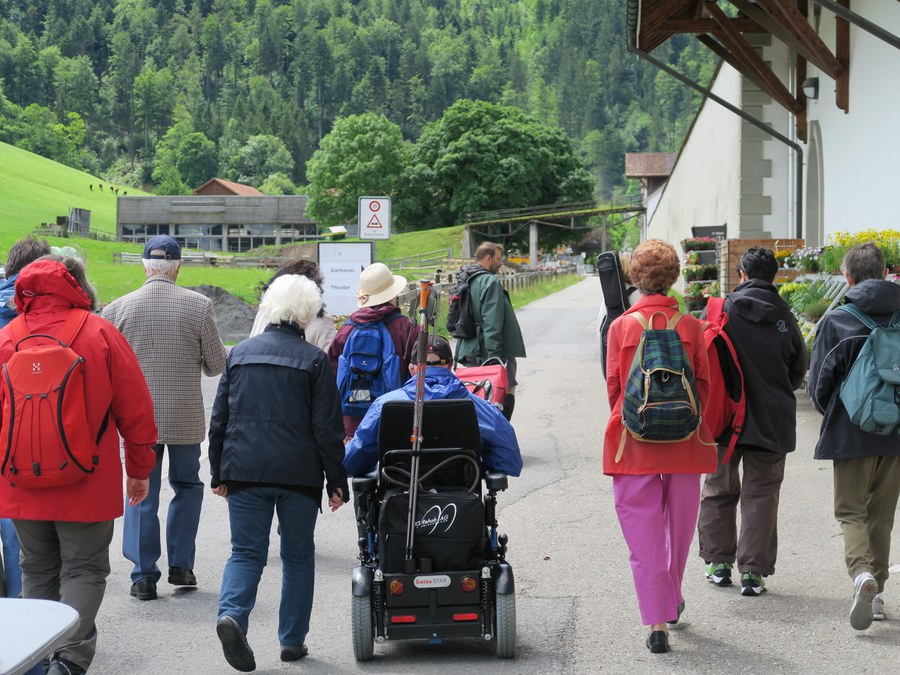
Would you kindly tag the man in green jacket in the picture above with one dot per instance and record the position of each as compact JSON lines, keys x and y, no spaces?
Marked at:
{"x":498,"y":333}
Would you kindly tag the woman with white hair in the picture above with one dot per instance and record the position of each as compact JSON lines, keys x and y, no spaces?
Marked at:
{"x":275,"y":438}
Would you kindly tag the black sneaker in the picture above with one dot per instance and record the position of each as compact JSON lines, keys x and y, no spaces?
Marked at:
{"x":234,"y":645}
{"x":719,"y":573}
{"x":753,"y":584}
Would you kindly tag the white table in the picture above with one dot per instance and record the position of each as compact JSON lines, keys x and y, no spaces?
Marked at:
{"x":29,"y":629}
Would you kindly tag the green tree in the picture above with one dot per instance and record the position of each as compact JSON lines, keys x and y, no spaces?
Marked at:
{"x":261,"y":156}
{"x":196,"y":159}
{"x":480,"y":156}
{"x":363,"y":155}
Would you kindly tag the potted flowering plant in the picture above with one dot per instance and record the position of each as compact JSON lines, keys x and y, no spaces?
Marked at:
{"x":699,"y":272}
{"x":698,"y":244}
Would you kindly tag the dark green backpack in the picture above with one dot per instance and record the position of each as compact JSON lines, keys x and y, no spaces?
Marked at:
{"x":661,"y":403}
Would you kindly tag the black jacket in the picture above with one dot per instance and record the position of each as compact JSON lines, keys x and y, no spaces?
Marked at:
{"x":277,"y":415}
{"x":772,"y":355}
{"x":839,"y":339}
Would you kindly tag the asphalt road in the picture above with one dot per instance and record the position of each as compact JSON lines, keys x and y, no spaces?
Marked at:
{"x":576,"y":607}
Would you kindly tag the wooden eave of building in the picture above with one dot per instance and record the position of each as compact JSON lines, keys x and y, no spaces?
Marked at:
{"x":785,"y":20}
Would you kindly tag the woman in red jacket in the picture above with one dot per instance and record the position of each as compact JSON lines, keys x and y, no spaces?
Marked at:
{"x":656,"y":486}
{"x":65,"y":531}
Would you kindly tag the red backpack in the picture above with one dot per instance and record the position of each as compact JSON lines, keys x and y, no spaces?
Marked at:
{"x":725,"y":410}
{"x":44,"y":416}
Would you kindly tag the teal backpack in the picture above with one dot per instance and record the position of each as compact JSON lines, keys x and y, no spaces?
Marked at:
{"x":871,"y":390}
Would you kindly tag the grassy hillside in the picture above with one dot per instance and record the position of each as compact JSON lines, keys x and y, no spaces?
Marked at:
{"x":34,"y":190}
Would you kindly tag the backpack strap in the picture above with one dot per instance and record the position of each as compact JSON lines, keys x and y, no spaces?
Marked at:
{"x":715,"y":309}
{"x":647,"y":324}
{"x":72,"y":326}
{"x":866,"y":320}
{"x":18,"y":328}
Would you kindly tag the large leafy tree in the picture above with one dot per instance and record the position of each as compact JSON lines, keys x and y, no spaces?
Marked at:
{"x":362,"y":155}
{"x":480,"y":156}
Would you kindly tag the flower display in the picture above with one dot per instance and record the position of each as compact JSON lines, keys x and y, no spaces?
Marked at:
{"x":698,"y":244}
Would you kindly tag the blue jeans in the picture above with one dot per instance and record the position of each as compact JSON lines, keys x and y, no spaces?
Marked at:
{"x":250,"y":514}
{"x":12,"y":574}
{"x":140,"y":536}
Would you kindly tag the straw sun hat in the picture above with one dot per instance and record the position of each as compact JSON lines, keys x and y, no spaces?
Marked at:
{"x":378,"y":285}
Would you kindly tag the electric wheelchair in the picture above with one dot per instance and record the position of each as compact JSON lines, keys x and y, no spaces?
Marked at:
{"x":453,"y":581}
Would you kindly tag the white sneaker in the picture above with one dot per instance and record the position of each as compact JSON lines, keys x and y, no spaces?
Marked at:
{"x":878,"y":607}
{"x":864,"y":591}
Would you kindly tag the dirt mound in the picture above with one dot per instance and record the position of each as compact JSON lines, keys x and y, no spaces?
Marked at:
{"x":234,"y":317}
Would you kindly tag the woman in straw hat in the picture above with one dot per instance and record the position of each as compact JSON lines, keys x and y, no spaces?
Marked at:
{"x":376,"y":296}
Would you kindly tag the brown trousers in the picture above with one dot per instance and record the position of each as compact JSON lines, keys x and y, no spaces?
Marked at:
{"x":758,"y":493}
{"x":865,"y":500}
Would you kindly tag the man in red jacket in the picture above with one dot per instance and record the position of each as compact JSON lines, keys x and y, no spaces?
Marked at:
{"x":65,"y":532}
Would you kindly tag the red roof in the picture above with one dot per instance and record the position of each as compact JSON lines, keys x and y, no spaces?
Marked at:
{"x":649,"y":164}
{"x":219,"y":186}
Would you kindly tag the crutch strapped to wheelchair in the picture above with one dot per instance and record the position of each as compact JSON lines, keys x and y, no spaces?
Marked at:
{"x":431,"y":563}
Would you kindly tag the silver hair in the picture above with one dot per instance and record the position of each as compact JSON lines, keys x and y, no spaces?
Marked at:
{"x":159,"y":266}
{"x":293,"y":298}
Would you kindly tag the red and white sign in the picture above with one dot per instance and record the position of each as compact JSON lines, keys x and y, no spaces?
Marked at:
{"x":374,"y":217}
{"x":432,"y":581}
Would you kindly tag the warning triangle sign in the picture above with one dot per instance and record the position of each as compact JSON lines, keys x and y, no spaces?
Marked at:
{"x":374,"y":223}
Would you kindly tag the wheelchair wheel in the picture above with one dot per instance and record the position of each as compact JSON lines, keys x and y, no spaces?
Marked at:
{"x":363,"y":629}
{"x":506,"y":625}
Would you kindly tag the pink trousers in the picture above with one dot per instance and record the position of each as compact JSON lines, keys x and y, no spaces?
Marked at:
{"x":658,"y":515}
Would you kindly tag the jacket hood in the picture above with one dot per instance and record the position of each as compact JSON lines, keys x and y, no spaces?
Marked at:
{"x":440,"y":383}
{"x":47,"y":283}
{"x":757,"y":301}
{"x":373,"y":314}
{"x":875,"y":296}
{"x":7,"y":293}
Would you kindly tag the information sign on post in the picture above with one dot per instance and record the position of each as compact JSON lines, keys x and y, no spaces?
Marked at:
{"x":374,"y":216}
{"x":341,"y":265}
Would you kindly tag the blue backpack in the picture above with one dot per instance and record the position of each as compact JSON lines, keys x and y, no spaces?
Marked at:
{"x":368,"y":367}
{"x":871,"y":390}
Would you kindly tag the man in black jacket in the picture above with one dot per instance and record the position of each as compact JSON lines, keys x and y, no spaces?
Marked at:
{"x":772,"y":355}
{"x":866,"y":466}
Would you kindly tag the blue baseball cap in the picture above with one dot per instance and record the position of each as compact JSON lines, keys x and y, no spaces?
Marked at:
{"x":162,"y":247}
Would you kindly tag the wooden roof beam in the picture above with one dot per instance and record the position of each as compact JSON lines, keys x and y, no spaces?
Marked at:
{"x":733,"y":60}
{"x":734,"y":41}
{"x":751,"y":10}
{"x":707,"y":26}
{"x":788,"y":16}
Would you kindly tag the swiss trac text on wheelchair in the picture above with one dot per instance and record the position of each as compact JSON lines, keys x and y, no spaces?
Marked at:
{"x":432,"y":565}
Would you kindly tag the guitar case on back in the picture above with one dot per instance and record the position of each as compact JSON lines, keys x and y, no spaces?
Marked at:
{"x":615,"y":294}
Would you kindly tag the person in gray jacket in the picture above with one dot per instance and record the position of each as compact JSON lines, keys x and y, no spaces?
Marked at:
{"x":866,"y":466}
{"x":173,"y":332}
{"x":772,"y":355}
{"x":275,"y":437}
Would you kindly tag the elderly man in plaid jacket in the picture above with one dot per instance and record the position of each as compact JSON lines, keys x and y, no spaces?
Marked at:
{"x":173,"y":332}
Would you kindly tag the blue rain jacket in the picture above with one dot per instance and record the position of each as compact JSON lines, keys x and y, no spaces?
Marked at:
{"x":499,"y":447}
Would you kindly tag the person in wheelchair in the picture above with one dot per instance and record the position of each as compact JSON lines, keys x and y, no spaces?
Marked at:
{"x":499,"y":446}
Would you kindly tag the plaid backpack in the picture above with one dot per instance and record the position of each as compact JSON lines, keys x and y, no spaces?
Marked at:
{"x":661,"y":403}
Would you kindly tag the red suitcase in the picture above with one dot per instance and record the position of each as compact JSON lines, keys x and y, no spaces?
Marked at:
{"x":488,"y":381}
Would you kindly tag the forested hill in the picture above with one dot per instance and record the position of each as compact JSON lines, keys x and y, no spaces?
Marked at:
{"x":97,"y":84}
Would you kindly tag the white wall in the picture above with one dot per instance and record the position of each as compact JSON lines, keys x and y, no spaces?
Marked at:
{"x":704,"y":187}
{"x":781,"y":185}
{"x":860,"y":150}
